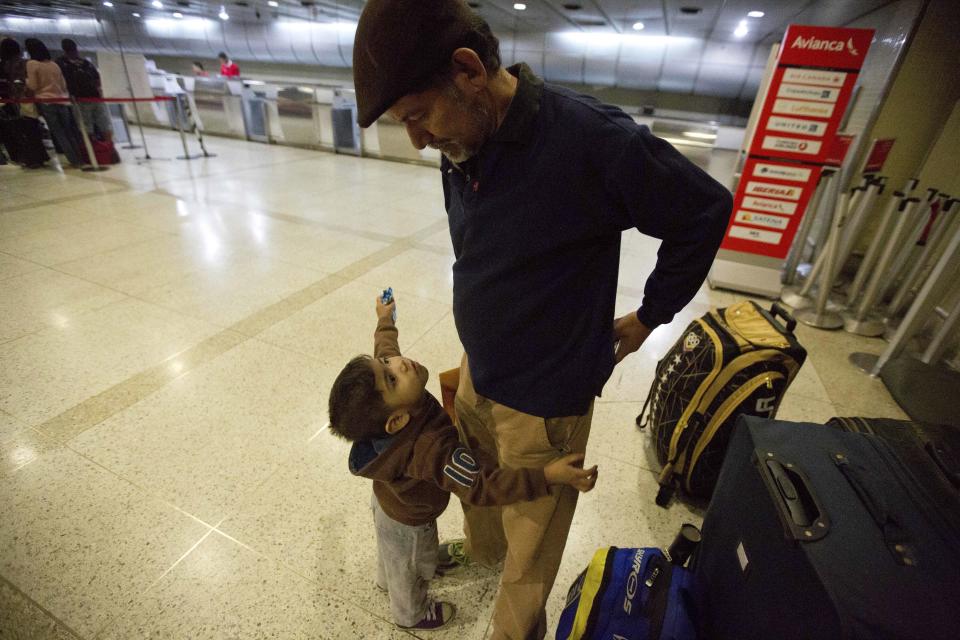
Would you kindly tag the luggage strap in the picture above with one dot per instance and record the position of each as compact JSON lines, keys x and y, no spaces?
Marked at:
{"x":668,"y":475}
{"x":895,"y":537}
{"x":658,"y":579}
{"x":643,"y":418}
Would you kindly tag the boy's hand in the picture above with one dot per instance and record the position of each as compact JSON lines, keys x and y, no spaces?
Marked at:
{"x":569,"y":470}
{"x":385,"y":311}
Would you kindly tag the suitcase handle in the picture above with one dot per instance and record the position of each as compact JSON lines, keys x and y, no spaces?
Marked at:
{"x":778,"y":310}
{"x":894,"y":535}
{"x":790,"y":491}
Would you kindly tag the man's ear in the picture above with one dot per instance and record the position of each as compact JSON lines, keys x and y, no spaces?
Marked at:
{"x":469,"y":74}
{"x":397,"y":420}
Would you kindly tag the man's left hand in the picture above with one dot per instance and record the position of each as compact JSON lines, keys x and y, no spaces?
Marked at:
{"x":629,"y":334}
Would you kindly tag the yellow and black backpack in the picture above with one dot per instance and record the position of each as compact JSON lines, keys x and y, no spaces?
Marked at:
{"x":732,"y":361}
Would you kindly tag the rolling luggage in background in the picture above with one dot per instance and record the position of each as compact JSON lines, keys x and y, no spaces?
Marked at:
{"x":930,"y":449}
{"x":629,"y":594}
{"x":732,"y":361}
{"x":814,"y":532}
{"x":105,"y":152}
{"x":23,"y":138}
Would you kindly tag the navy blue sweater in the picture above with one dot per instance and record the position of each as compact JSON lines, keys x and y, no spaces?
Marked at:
{"x":536,"y":218}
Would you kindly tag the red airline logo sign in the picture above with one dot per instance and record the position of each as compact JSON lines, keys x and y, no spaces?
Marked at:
{"x":816,"y":70}
{"x":826,"y":47}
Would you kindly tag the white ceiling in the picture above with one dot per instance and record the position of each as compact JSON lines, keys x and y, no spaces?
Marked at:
{"x":561,"y":39}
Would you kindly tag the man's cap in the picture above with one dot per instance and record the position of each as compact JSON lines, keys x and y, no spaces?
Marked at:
{"x":400,"y":45}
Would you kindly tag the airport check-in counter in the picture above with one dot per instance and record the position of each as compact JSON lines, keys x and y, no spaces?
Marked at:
{"x":219,"y":105}
{"x":315,"y":116}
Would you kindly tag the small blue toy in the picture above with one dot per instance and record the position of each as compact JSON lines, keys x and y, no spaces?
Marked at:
{"x":386,"y":298}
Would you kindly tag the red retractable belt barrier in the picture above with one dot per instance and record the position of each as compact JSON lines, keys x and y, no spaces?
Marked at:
{"x":82,"y":100}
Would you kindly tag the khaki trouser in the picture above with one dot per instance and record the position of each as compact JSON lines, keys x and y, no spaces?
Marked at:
{"x":528,"y":536}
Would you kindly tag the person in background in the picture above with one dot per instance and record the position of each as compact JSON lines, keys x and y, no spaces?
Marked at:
{"x":199,"y":71}
{"x":228,"y":68}
{"x":13,"y":74}
{"x":45,"y":81}
{"x":83,"y":81}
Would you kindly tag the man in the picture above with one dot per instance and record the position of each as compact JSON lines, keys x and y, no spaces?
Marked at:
{"x":539,"y":182}
{"x":83,"y":81}
{"x":228,"y":68}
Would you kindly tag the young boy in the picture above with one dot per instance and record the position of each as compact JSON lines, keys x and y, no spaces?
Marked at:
{"x":405,"y":442}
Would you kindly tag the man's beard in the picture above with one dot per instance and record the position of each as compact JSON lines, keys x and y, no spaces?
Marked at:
{"x":478,"y":116}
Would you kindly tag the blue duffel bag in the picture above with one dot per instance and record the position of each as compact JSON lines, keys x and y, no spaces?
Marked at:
{"x":629,"y":594}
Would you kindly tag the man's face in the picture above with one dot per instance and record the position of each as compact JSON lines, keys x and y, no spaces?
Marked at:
{"x":401,"y":381}
{"x":446,"y":119}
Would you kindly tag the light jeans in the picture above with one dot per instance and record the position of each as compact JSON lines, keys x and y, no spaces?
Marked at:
{"x":96,"y":119}
{"x":406,"y":562}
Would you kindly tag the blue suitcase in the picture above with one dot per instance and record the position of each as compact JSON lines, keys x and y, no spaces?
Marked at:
{"x":817,"y":532}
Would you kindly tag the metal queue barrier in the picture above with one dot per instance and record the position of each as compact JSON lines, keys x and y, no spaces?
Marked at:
{"x":799,"y":247}
{"x":92,"y":164}
{"x":923,"y":388}
{"x":905,"y":287}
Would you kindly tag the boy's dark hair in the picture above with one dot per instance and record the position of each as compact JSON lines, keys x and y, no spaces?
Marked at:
{"x":357,"y":410}
{"x":37,"y":50}
{"x":68,"y":45}
{"x":223,"y":55}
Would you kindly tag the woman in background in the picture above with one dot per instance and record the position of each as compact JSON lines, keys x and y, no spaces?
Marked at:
{"x":45,"y":80}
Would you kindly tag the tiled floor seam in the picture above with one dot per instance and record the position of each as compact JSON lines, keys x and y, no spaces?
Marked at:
{"x":294,"y":219}
{"x":113,"y":620}
{"x":94,"y":410}
{"x":63,"y":200}
{"x":33,"y":603}
{"x":280,"y":563}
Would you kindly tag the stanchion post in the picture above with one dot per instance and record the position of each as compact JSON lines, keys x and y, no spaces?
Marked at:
{"x":183,"y":137}
{"x":939,"y":230}
{"x":800,"y":298}
{"x":136,"y":110}
{"x":920,"y":219}
{"x":922,"y":306}
{"x":938,"y":345}
{"x":857,"y":321}
{"x":800,"y":241}
{"x":861,"y":208}
{"x":876,"y":246}
{"x":195,"y":130}
{"x":93,"y":165}
{"x":819,"y":317}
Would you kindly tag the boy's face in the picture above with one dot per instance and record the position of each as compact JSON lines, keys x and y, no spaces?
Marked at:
{"x":401,"y":381}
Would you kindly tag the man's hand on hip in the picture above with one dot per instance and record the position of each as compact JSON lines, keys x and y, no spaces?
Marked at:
{"x":629,"y":334}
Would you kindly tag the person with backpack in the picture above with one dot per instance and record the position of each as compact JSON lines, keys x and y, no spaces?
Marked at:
{"x":83,"y":81}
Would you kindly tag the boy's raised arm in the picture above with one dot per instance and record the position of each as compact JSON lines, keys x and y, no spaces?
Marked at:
{"x":385,"y":338}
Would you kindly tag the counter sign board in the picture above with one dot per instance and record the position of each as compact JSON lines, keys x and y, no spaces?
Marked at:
{"x":795,"y":136}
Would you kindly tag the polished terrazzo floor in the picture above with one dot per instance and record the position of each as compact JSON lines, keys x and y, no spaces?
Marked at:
{"x":168,"y":334}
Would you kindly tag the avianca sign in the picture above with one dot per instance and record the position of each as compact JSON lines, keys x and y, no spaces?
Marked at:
{"x":825,"y":47}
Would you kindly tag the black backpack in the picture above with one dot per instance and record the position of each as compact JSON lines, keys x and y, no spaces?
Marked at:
{"x":83,"y":79}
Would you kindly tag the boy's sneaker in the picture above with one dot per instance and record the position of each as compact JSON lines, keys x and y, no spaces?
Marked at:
{"x":438,"y":614}
{"x":452,"y":556}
